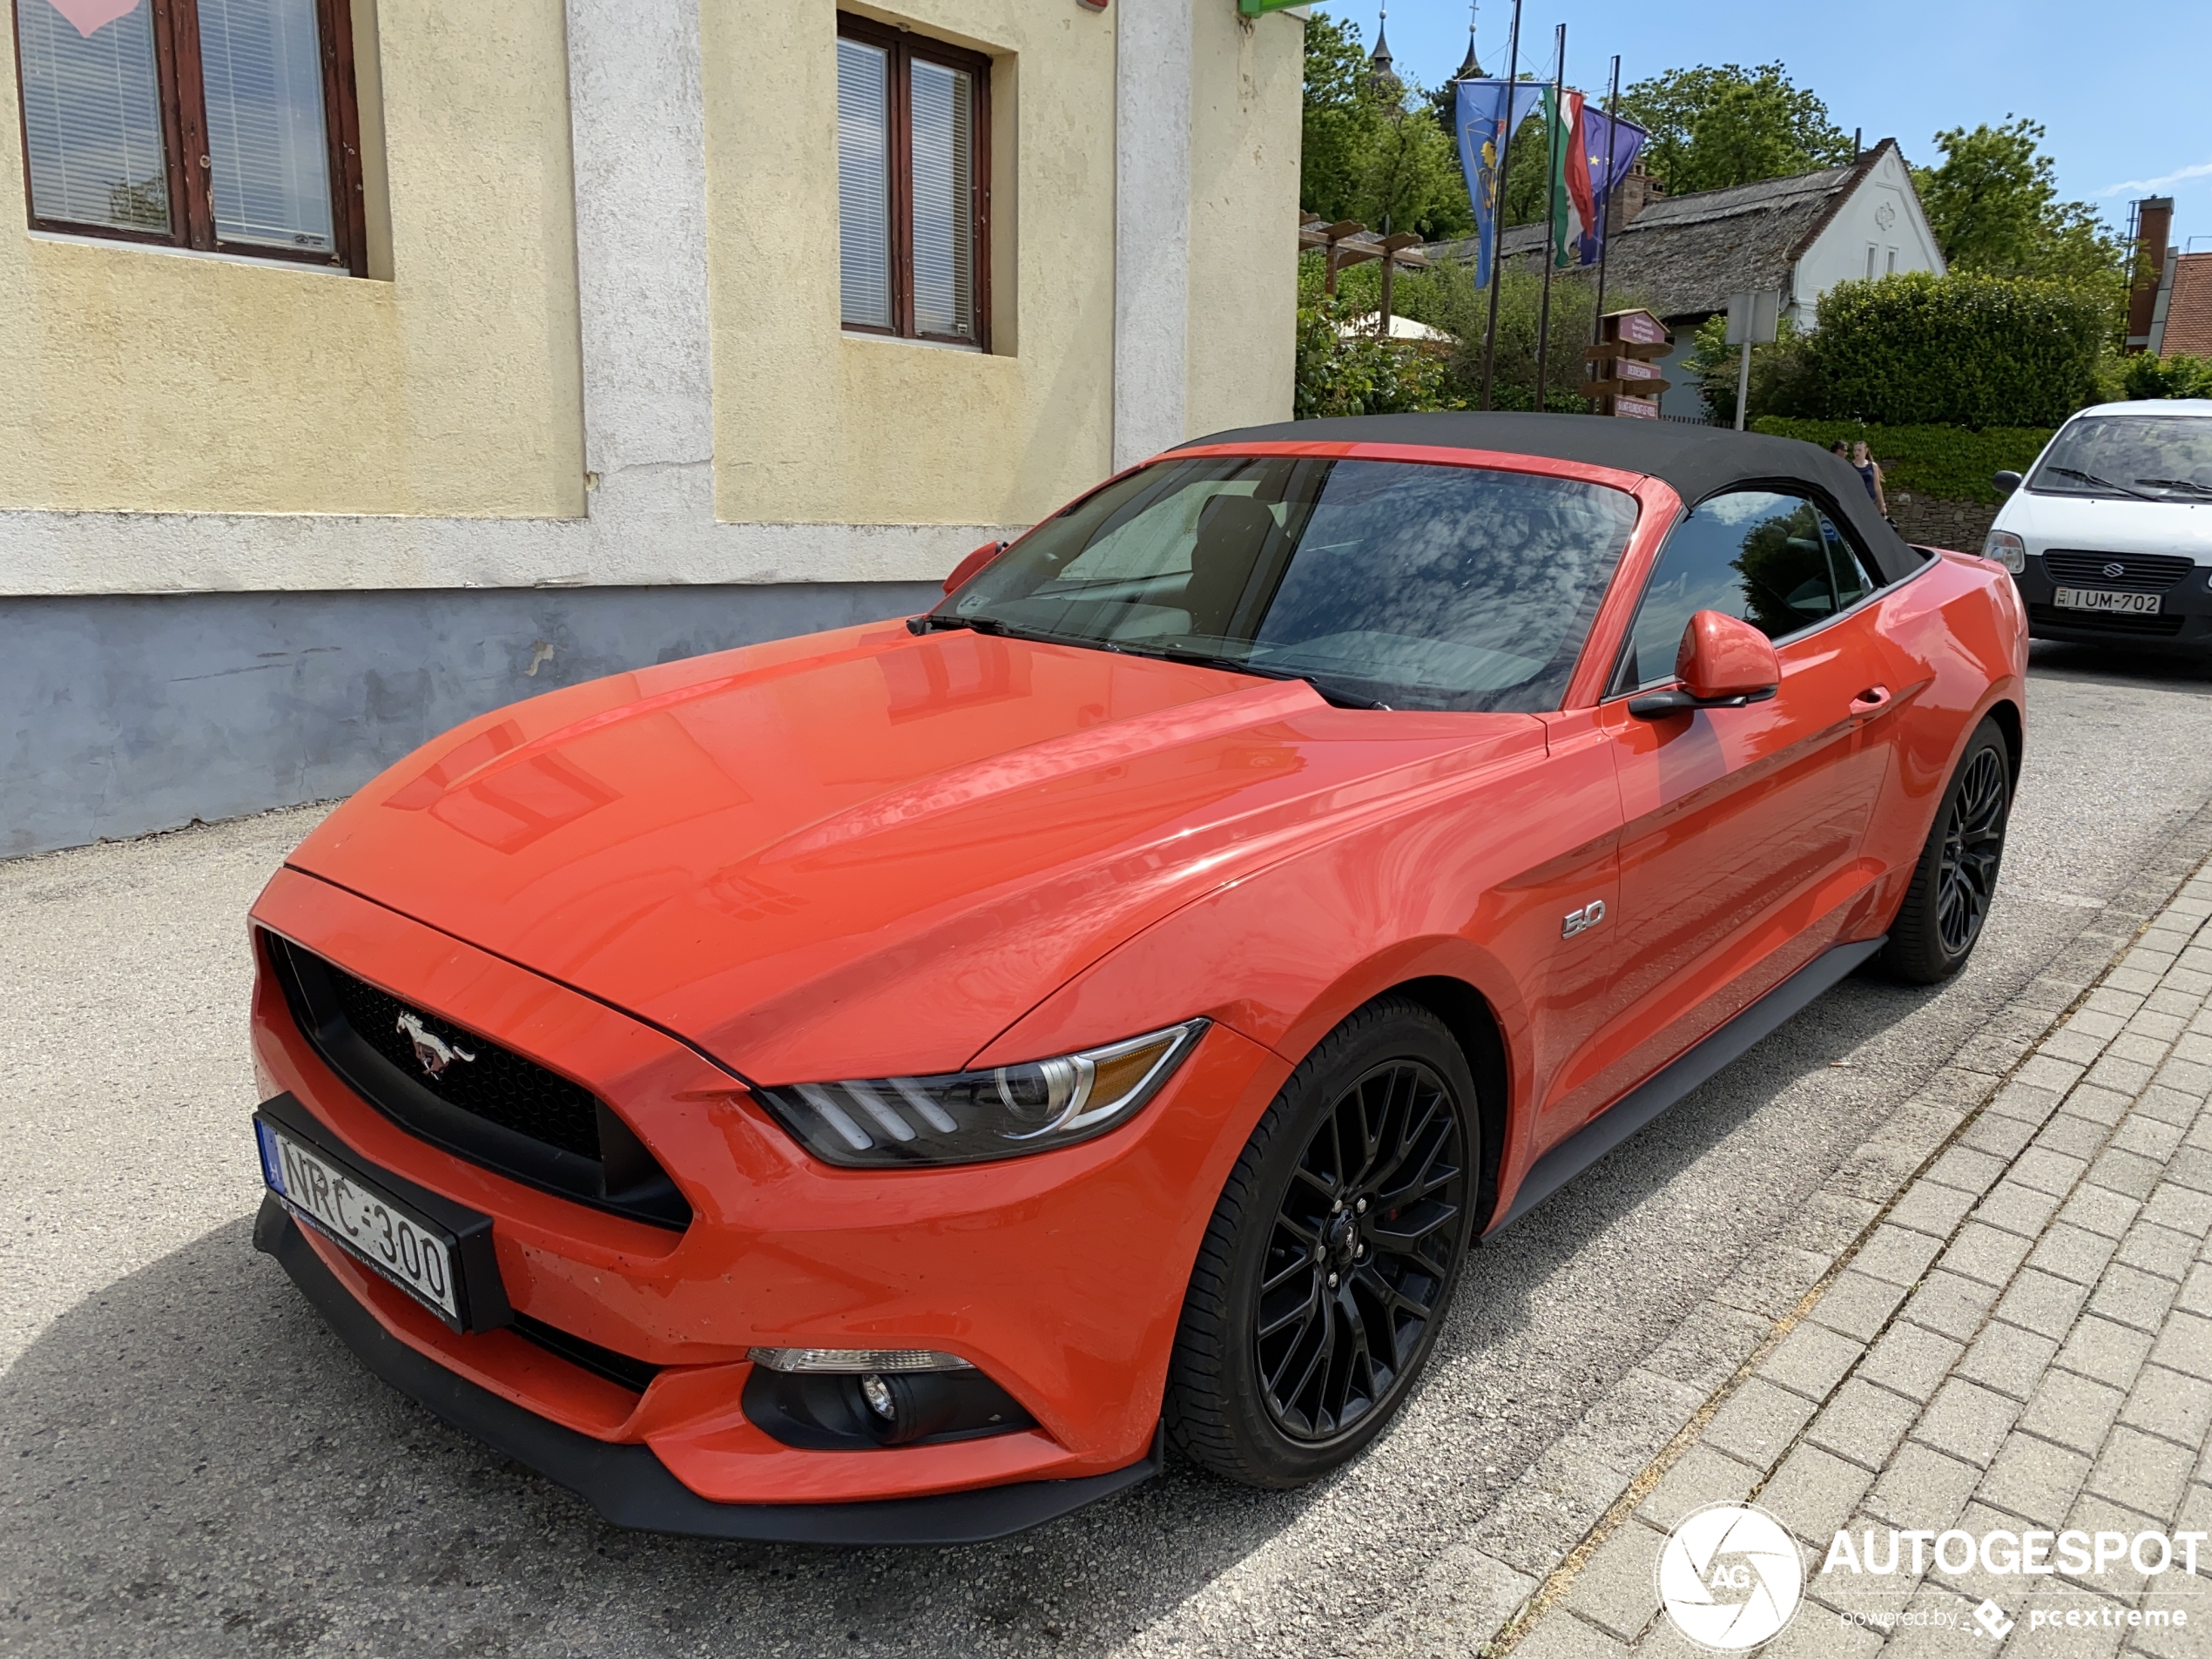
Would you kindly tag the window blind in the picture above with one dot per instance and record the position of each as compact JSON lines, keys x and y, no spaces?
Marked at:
{"x":92,"y":114}
{"x":864,"y":181}
{"x":262,"y":62}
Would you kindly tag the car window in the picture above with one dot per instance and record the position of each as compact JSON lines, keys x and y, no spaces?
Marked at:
{"x":1414,"y":585}
{"x":1853,"y":572}
{"x":2160,"y":457}
{"x":1774,"y":560}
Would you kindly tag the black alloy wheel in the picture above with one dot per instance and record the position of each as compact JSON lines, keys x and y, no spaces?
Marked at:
{"x":1974,"y":842}
{"x":1325,"y":1274}
{"x":1955,"y":882}
{"x":1363,"y":1246}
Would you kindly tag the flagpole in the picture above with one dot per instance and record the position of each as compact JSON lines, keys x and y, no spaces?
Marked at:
{"x":1605,"y":202}
{"x":1551,"y":210}
{"x":1498,"y":205}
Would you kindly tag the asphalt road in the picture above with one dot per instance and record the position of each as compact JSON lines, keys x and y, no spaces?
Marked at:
{"x":190,"y":1464}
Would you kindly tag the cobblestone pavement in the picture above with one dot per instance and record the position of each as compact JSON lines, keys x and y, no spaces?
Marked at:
{"x":2020,"y":1340}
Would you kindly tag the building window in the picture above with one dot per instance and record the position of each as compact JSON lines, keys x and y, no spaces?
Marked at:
{"x":912,"y":185}
{"x":1892,"y":269}
{"x":221,"y":125}
{"x":1872,"y":253}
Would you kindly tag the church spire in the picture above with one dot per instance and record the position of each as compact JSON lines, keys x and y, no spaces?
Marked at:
{"x":1380,"y":74}
{"x":1472,"y":69}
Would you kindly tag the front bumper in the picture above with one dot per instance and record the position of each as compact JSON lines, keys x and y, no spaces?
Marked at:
{"x":1061,"y":1277}
{"x":633,"y":1487}
{"x":2184,"y":619}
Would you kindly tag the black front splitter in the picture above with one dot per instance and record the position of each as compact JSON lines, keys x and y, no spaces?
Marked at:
{"x":633,"y":1487}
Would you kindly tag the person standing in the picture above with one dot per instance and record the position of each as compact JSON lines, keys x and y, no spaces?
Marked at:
{"x":1871,"y":470}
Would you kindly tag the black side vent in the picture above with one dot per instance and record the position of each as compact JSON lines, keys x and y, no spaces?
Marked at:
{"x":464,"y":1092}
{"x":620,"y":1369}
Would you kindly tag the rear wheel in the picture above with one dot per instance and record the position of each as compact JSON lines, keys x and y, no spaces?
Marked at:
{"x":1331,"y":1258}
{"x":1956,"y":879}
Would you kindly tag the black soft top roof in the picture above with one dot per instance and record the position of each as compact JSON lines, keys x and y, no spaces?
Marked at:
{"x":1696,"y":460}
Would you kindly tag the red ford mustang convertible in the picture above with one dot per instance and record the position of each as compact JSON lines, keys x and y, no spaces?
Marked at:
{"x":887,"y":1086}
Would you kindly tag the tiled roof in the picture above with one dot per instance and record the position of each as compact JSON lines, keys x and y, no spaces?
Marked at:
{"x":2189,"y":307}
{"x":1684,"y":255}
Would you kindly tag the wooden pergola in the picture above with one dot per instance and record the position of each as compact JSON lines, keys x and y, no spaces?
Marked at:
{"x":1348,"y":242}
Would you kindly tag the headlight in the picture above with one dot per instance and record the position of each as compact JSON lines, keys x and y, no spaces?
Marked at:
{"x":2007,"y":550}
{"x":974,"y":1116}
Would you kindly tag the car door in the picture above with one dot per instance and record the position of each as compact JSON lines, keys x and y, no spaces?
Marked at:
{"x":1742,"y":827}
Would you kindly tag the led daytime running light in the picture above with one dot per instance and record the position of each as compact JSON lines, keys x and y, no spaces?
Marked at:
{"x":853,"y":1361}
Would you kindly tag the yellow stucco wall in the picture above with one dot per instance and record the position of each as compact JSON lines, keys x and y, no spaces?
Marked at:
{"x":1247,"y":85}
{"x":146,"y":381}
{"x":815,"y":426}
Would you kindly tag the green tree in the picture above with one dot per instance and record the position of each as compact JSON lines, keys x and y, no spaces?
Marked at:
{"x":1993,"y":205}
{"x":1712,"y":128}
{"x":1387,"y":162}
{"x":1339,"y":121}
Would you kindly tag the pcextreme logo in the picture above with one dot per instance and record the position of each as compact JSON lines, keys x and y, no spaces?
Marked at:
{"x":1730,"y":1576}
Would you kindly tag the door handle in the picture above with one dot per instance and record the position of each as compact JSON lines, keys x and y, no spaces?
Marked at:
{"x":1870,"y":702}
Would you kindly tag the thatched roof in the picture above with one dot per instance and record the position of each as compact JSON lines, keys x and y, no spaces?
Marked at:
{"x":1684,"y":255}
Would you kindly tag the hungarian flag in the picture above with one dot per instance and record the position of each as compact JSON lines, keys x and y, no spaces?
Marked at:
{"x":1574,"y":212}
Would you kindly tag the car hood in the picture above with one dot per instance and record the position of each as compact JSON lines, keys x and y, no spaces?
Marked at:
{"x":2094,"y":524}
{"x":865,"y":852}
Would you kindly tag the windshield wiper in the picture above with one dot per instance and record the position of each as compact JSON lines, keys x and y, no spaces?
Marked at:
{"x":2177,"y":484}
{"x":1335,"y":695}
{"x":2101,"y":483}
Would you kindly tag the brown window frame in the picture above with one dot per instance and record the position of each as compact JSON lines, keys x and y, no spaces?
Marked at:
{"x":904,"y":47}
{"x":184,"y":134}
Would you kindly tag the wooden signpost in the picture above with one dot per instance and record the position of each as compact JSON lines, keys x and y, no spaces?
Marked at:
{"x":1624,"y":367}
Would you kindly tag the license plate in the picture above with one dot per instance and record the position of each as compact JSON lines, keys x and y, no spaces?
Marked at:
{"x":2126,"y":604}
{"x":372,"y":1225}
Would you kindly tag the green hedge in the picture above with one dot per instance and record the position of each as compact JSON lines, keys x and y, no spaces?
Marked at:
{"x":1947,"y":462}
{"x":1959,"y":350}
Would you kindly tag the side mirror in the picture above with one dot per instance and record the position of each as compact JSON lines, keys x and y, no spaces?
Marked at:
{"x":1724,"y":663}
{"x":974,"y":561}
{"x":2007,"y":482}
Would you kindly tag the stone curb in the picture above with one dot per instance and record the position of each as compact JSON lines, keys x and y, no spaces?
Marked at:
{"x":1490,"y":1591}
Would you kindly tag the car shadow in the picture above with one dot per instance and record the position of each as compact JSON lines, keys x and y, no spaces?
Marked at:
{"x":193,"y":1461}
{"x":2148,"y":662}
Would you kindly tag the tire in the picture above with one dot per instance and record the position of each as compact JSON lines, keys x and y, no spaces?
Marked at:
{"x":1278,"y":1405}
{"x":1947,"y":905}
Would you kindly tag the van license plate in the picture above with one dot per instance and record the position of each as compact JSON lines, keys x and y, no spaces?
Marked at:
{"x":2126,"y":604}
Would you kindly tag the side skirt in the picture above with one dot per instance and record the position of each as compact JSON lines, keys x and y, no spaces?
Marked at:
{"x":1649,"y":1100}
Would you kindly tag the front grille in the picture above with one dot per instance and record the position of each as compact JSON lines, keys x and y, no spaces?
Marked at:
{"x":2104,"y":622}
{"x":493,"y":1107}
{"x":2138,"y":572}
{"x":493,"y":1083}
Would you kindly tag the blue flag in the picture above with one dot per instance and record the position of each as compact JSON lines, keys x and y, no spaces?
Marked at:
{"x":1613,"y":145}
{"x":1482,"y":127}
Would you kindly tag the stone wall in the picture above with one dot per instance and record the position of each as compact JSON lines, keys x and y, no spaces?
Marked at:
{"x":1961,"y":525}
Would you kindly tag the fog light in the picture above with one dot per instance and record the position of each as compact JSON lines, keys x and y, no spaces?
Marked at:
{"x":877,"y":1393}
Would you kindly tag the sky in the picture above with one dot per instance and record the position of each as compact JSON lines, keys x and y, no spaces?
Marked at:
{"x":2116,"y":98}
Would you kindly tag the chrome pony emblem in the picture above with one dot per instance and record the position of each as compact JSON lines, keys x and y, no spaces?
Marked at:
{"x":432,"y":1052}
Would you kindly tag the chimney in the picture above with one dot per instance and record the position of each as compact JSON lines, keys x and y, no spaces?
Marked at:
{"x":2153,"y":222}
{"x":1631,"y":196}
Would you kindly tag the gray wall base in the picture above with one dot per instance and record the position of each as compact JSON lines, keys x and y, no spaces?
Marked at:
{"x":124,"y":714}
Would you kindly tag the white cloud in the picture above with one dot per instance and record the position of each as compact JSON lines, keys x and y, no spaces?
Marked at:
{"x":2201,"y":169}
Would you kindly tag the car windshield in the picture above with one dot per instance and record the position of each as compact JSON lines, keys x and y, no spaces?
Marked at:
{"x":1381,"y":582}
{"x":2157,"y":457}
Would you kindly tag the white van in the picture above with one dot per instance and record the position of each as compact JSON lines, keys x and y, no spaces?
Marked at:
{"x":2109,"y":537}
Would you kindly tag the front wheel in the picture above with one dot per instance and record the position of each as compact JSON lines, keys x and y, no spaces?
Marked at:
{"x":1331,"y":1254}
{"x":1956,"y":879}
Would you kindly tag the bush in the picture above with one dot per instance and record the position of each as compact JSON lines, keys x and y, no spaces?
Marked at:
{"x":1947,"y":462}
{"x":1785,"y":375}
{"x":1361,"y":374}
{"x":1960,"y":350}
{"x":2179,"y":375}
